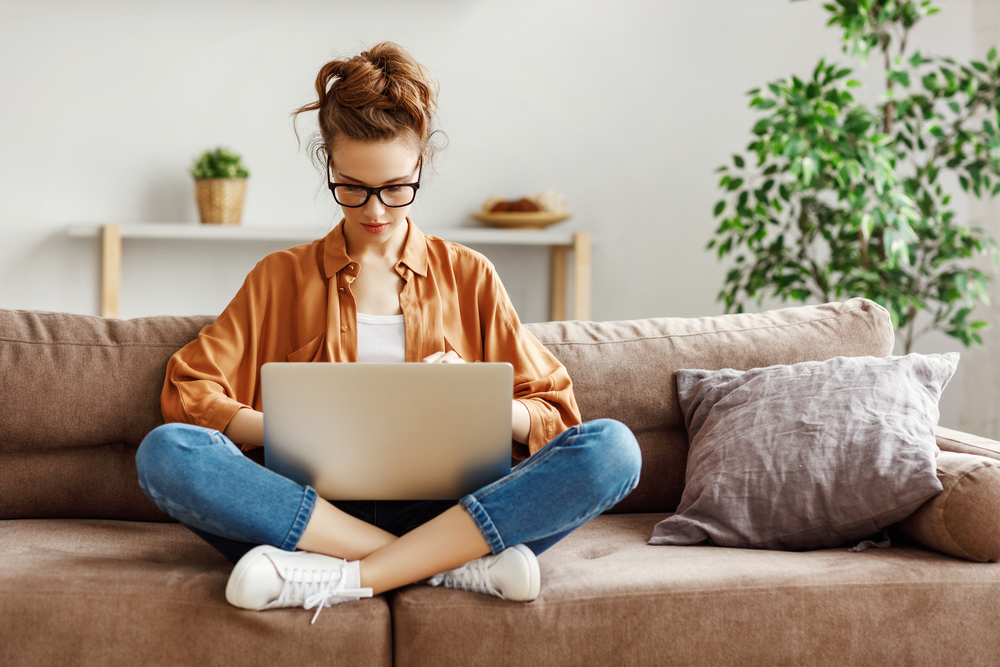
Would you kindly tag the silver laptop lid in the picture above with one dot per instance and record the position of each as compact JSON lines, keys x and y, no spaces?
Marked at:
{"x":388,"y":431}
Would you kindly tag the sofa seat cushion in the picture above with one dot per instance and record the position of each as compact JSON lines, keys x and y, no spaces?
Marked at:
{"x":94,"y":592}
{"x":609,"y":598}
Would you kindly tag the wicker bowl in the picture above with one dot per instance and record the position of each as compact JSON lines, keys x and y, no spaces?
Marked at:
{"x":220,"y":200}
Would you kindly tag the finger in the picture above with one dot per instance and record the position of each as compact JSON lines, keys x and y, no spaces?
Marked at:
{"x":452,"y":358}
{"x":433,"y":358}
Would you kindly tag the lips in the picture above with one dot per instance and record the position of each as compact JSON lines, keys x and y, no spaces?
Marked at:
{"x":375,"y":229}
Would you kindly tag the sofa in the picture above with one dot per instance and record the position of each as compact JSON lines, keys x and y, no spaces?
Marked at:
{"x":91,"y":573}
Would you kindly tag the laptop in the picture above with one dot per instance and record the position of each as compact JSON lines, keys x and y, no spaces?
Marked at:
{"x":393,"y":431}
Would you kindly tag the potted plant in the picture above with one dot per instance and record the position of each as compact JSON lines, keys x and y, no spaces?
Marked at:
{"x":835,"y":198}
{"x":220,"y":183}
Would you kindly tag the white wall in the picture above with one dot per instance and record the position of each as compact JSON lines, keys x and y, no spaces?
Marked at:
{"x":980,"y":396}
{"x":626,"y":106}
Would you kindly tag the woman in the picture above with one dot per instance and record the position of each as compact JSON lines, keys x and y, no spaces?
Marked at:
{"x":374,"y":289}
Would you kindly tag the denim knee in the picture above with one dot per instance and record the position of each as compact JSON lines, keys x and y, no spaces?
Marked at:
{"x":154,"y":453}
{"x":163,"y":448}
{"x":615,"y":463}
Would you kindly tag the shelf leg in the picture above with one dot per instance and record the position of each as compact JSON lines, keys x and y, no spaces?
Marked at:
{"x":111,"y":269}
{"x":560,"y":287}
{"x":581,"y":275}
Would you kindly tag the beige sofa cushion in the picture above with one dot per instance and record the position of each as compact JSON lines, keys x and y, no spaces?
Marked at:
{"x":964,"y":520}
{"x":80,"y":394}
{"x":127,"y":593}
{"x":625,"y":370}
{"x":609,"y":599}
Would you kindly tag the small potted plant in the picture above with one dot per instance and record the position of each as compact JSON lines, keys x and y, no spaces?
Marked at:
{"x":220,"y":184}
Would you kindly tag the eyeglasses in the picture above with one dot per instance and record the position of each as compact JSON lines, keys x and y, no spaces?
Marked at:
{"x":393,"y":196}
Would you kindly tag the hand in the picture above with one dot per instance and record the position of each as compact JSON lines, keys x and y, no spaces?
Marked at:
{"x":444,"y":358}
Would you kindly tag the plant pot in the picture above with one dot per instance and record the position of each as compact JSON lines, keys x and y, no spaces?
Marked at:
{"x":220,"y":200}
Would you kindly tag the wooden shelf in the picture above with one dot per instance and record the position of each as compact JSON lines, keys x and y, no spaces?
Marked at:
{"x":200,"y":232}
{"x":561,"y":243}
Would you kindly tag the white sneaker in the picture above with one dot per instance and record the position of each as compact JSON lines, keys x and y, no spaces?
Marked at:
{"x":511,"y":574}
{"x":267,"y":577}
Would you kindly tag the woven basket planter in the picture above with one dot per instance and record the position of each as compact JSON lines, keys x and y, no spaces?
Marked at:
{"x":220,"y":200}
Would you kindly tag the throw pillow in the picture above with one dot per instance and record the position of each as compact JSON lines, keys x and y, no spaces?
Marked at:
{"x":807,"y":456}
{"x":964,"y":519}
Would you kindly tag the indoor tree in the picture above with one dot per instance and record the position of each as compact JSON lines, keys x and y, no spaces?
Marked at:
{"x":834,"y":198}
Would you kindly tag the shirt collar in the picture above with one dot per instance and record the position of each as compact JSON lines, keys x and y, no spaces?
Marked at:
{"x":335,"y":256}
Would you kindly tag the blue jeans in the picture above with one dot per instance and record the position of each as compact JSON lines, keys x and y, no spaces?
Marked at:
{"x":199,"y":477}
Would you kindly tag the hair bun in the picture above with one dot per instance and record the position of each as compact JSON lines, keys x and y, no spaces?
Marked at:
{"x":378,"y":95}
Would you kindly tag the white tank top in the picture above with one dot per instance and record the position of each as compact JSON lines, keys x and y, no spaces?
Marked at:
{"x":381,"y":338}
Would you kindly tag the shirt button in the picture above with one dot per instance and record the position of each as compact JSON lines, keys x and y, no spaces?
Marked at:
{"x":341,"y":289}
{"x":343,"y":329}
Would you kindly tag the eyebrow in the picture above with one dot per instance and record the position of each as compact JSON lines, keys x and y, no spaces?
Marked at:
{"x":358,"y":180}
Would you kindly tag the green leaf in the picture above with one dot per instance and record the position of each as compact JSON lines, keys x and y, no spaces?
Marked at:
{"x":980,"y":66}
{"x":735,"y":183}
{"x":954,"y":107}
{"x":867,"y":223}
{"x":808,"y":169}
{"x":992,"y":55}
{"x":738,"y":161}
{"x":852,"y":83}
{"x":762,"y":126}
{"x":719,"y":208}
{"x":900,"y":77}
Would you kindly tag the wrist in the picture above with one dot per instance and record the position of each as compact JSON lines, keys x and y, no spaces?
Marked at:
{"x":246,"y":428}
{"x":520,"y":422}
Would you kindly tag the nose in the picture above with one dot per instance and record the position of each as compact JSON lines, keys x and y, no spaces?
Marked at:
{"x":374,"y":207}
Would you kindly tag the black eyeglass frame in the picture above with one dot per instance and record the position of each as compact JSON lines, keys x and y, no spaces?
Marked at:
{"x":374,"y":191}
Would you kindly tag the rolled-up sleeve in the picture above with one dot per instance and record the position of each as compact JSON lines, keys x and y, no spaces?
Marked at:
{"x":214,"y":376}
{"x":541,"y":382}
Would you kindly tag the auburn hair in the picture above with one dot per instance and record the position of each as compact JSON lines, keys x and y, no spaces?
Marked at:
{"x":379,"y":95}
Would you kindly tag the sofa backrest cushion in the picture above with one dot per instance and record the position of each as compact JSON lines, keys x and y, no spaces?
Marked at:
{"x":625,"y":370}
{"x":79,"y":393}
{"x":77,"y":396}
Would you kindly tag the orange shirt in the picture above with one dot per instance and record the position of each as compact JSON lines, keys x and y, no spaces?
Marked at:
{"x":297,"y":305}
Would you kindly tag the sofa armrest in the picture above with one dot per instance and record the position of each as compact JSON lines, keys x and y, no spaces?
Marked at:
{"x":949,"y":440}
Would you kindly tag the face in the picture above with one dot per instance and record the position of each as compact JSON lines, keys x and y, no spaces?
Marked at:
{"x":373,"y":165}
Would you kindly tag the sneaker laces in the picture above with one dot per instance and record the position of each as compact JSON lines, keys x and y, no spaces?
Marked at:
{"x":474,"y":576}
{"x":316,"y":588}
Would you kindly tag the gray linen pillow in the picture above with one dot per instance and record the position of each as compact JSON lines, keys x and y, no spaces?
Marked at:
{"x":807,"y":456}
